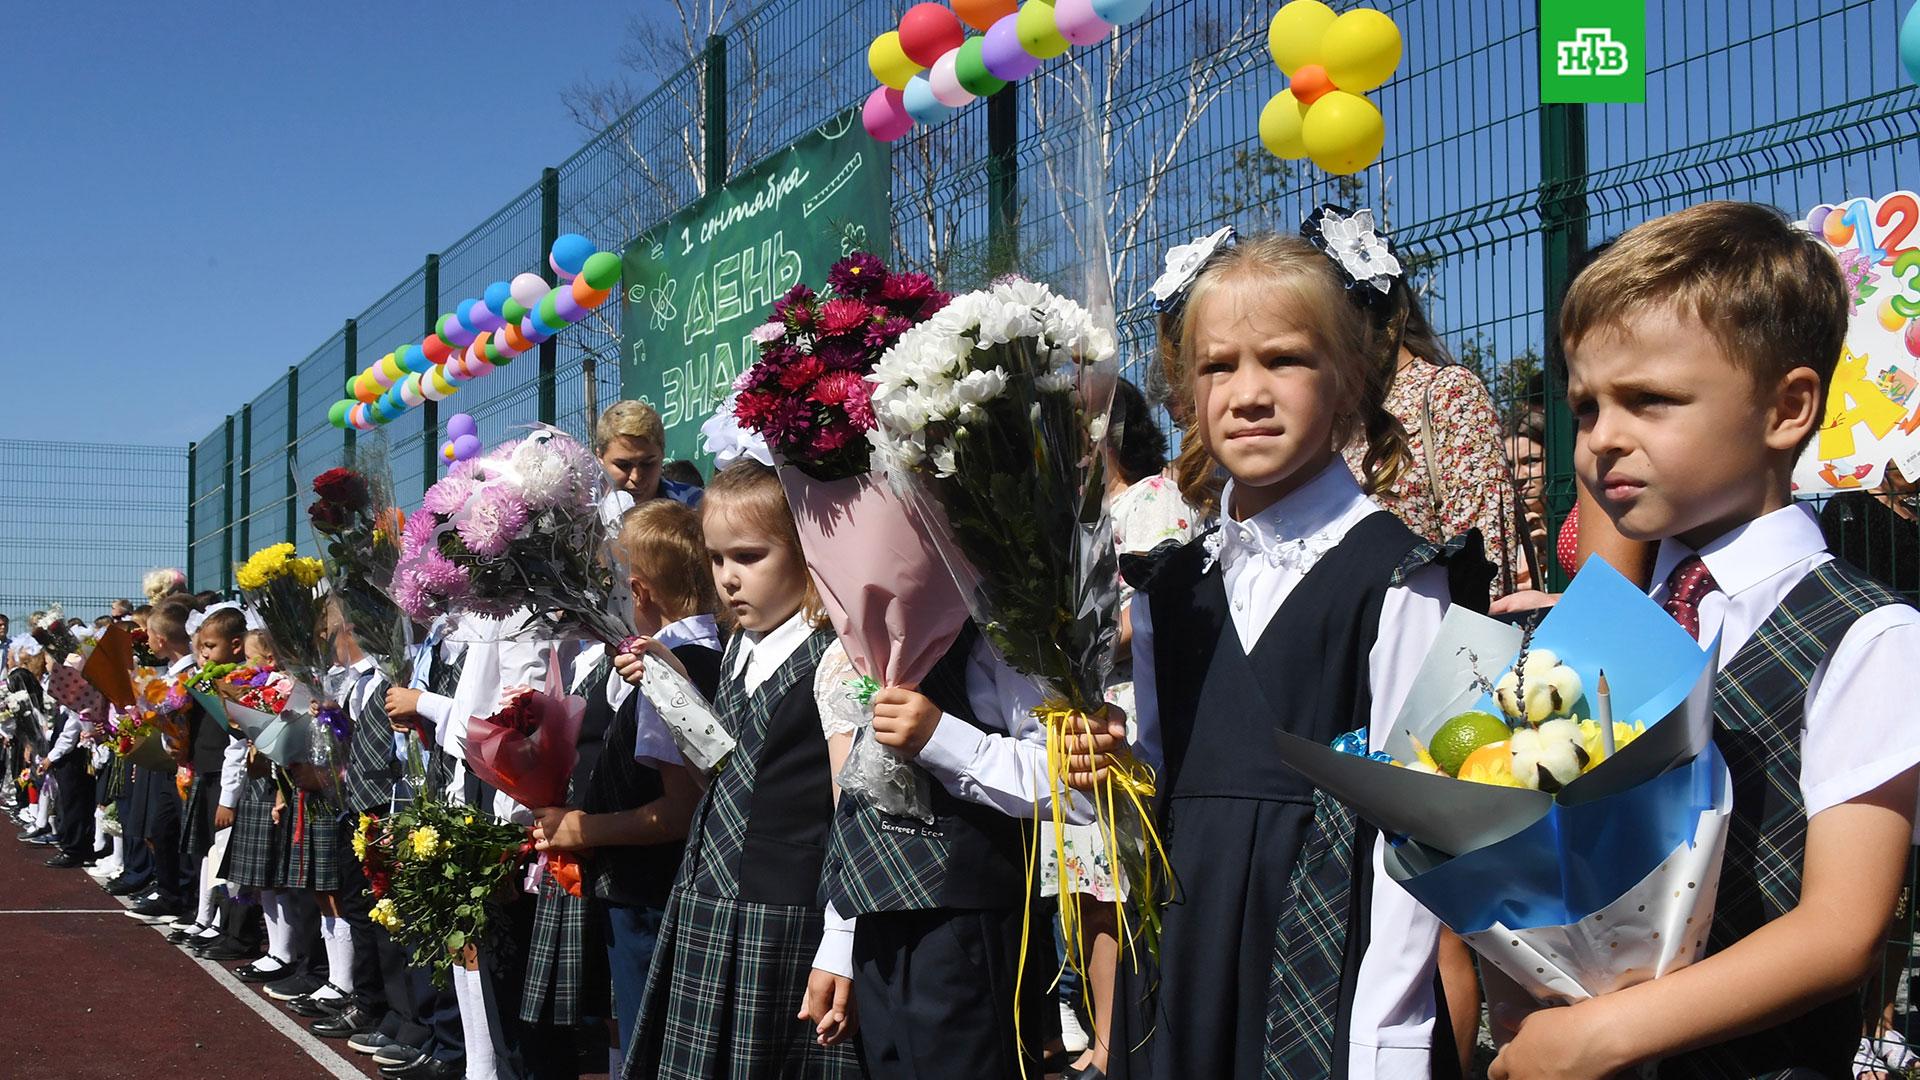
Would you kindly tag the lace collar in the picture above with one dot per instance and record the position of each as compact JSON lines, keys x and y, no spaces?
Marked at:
{"x":1296,"y":531}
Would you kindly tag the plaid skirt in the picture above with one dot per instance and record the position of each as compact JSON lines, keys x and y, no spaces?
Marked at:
{"x":314,"y":831}
{"x":196,"y":828}
{"x":566,"y":961}
{"x":253,"y":851}
{"x":726,"y":980}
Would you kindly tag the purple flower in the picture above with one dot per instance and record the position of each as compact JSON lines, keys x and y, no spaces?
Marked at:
{"x":843,"y":354}
{"x":881,"y":335}
{"x":494,"y":521}
{"x":787,"y":421}
{"x":332,"y":719}
{"x":448,"y":496}
{"x":441,"y":576}
{"x":859,"y":274}
{"x":410,"y":595}
{"x":796,"y":308}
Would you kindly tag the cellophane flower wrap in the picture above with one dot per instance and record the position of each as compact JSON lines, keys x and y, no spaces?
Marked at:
{"x":883,"y":582}
{"x":527,"y":751}
{"x":289,"y":592}
{"x":516,"y":528}
{"x":50,"y":629}
{"x":276,"y":712}
{"x":357,"y":529}
{"x":446,"y":869}
{"x":1576,"y":868}
{"x":990,"y":416}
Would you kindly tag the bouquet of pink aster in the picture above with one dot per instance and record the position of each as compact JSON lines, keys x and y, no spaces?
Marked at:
{"x":517,"y":528}
{"x":880,"y":577}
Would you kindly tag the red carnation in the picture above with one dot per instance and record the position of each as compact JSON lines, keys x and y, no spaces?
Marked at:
{"x":343,"y":486}
{"x":843,"y":316}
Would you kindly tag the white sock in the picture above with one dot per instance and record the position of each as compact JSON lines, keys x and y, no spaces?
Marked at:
{"x":44,"y":808}
{"x":338,"y":938}
{"x":209,"y":900}
{"x":279,"y":929}
{"x":119,"y":850}
{"x":473,"y":1024}
{"x":99,"y":825}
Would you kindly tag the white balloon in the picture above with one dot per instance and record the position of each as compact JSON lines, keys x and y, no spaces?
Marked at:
{"x":528,"y":289}
{"x":946,"y":82}
{"x":410,"y":392}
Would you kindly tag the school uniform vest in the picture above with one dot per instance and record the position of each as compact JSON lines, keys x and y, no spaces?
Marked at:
{"x":1759,"y":707}
{"x":1262,"y":944}
{"x":372,"y":769}
{"x":635,"y":875}
{"x":971,"y":857}
{"x":209,"y":743}
{"x":760,"y":834}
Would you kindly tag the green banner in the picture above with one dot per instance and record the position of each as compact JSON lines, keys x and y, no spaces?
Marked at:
{"x":698,"y":283}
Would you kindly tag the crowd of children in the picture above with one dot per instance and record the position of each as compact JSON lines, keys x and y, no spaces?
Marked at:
{"x":755,"y":920}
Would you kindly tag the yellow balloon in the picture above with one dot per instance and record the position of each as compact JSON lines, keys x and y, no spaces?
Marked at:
{"x":889,"y":61}
{"x":1343,"y":132}
{"x":1037,"y":31}
{"x":1280,"y":126}
{"x":1360,"y":50}
{"x":441,"y":382}
{"x":1890,"y":319}
{"x":391,"y":366}
{"x":1295,"y":32}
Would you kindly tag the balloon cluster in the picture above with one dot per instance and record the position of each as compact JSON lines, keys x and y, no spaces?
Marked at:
{"x":930,"y":67}
{"x":463,"y":439}
{"x":480,"y":334}
{"x":1330,"y":61}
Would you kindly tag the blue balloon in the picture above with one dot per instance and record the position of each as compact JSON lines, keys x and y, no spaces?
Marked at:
{"x":1910,"y":43}
{"x":921,"y":104}
{"x":464,"y":314}
{"x":497,"y":295}
{"x":531,"y":329}
{"x":1120,"y":12}
{"x":414,"y":360}
{"x":571,"y":252}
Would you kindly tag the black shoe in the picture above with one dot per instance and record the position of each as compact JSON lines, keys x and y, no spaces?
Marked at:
{"x":345,"y":1025}
{"x":323,"y":1007}
{"x":426,"y":1068}
{"x":254,"y":973}
{"x":372,"y":1042}
{"x":225,"y":950}
{"x":156,"y":909}
{"x":44,"y":840}
{"x":125,"y":886}
{"x":395,"y":1053}
{"x":34,"y":834}
{"x":293,"y":985}
{"x":63,"y":861}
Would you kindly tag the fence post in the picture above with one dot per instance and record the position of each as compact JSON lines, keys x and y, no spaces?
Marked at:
{"x":1563,"y":227}
{"x":716,"y":120}
{"x":550,"y":348}
{"x":193,"y":459}
{"x":246,"y":477}
{"x":1003,"y":183}
{"x":293,"y":449}
{"x":351,"y":334}
{"x":226,"y":516}
{"x":430,"y":412}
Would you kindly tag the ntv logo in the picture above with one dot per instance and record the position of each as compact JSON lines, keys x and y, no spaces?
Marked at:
{"x":1592,"y":52}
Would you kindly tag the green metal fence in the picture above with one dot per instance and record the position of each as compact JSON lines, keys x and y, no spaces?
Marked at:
{"x":81,"y":522}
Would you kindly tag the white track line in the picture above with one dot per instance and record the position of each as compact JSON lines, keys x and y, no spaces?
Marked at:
{"x":62,"y":911}
{"x":323,"y":1055}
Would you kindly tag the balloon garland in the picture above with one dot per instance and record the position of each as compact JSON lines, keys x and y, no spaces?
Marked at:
{"x":929,"y":66}
{"x":1330,"y":61}
{"x":480,"y":334}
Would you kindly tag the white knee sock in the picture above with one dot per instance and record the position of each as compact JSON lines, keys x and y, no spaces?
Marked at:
{"x":338,"y":938}
{"x":99,"y":825}
{"x":473,"y":1024}
{"x":273,"y":907}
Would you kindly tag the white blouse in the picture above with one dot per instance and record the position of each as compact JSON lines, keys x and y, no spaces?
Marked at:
{"x":1262,"y":560}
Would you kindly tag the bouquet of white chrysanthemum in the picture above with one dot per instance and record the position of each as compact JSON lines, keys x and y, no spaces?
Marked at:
{"x":991,"y":415}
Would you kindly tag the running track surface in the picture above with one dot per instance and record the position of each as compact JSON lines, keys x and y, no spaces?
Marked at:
{"x":86,"y":992}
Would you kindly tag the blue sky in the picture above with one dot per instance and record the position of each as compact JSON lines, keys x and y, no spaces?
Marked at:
{"x":198,"y":194}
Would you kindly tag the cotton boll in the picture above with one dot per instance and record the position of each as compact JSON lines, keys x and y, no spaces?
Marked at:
{"x":1551,"y":688}
{"x":1549,"y":757}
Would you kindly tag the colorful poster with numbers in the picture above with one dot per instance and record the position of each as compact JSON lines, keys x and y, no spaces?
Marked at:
{"x":700,"y":281}
{"x":1873,"y":412}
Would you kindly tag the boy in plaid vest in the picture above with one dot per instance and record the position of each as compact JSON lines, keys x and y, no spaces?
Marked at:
{"x":1699,"y":349}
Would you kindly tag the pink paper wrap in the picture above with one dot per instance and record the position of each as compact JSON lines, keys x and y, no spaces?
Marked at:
{"x":530,"y":766}
{"x":891,"y":597}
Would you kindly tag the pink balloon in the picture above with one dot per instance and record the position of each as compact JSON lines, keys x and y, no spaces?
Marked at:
{"x":479,"y":366}
{"x":946,"y":83}
{"x":885,"y":115}
{"x":1076,"y":21}
{"x":379,"y":374}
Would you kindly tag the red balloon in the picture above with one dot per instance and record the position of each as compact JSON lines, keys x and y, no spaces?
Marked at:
{"x":436,"y":350}
{"x":929,"y":32}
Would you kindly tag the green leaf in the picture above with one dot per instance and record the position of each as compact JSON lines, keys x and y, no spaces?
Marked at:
{"x":457,"y":940}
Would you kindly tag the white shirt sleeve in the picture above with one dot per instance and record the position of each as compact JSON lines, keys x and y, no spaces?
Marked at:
{"x":233,"y":772}
{"x":69,"y":736}
{"x":435,"y":709}
{"x":1857,"y":737}
{"x":1006,"y":772}
{"x":835,"y":954}
{"x":1393,"y":1007}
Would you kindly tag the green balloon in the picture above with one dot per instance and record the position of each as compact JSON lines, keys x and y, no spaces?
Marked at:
{"x":970,"y":68}
{"x":491,"y":352}
{"x":512,"y":311}
{"x":503,"y":361}
{"x":546,"y":313}
{"x":602,"y":270}
{"x":337,"y":415}
{"x":353,"y":388}
{"x":440,"y":326}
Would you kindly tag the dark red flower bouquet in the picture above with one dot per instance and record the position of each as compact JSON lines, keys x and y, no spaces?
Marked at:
{"x":527,"y":751}
{"x":357,"y":529}
{"x":808,"y":395}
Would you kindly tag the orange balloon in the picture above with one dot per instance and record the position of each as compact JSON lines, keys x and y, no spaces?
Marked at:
{"x":590,"y":298}
{"x":1310,"y":83}
{"x":366,"y":389}
{"x":516,"y":340}
{"x":982,"y":14}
